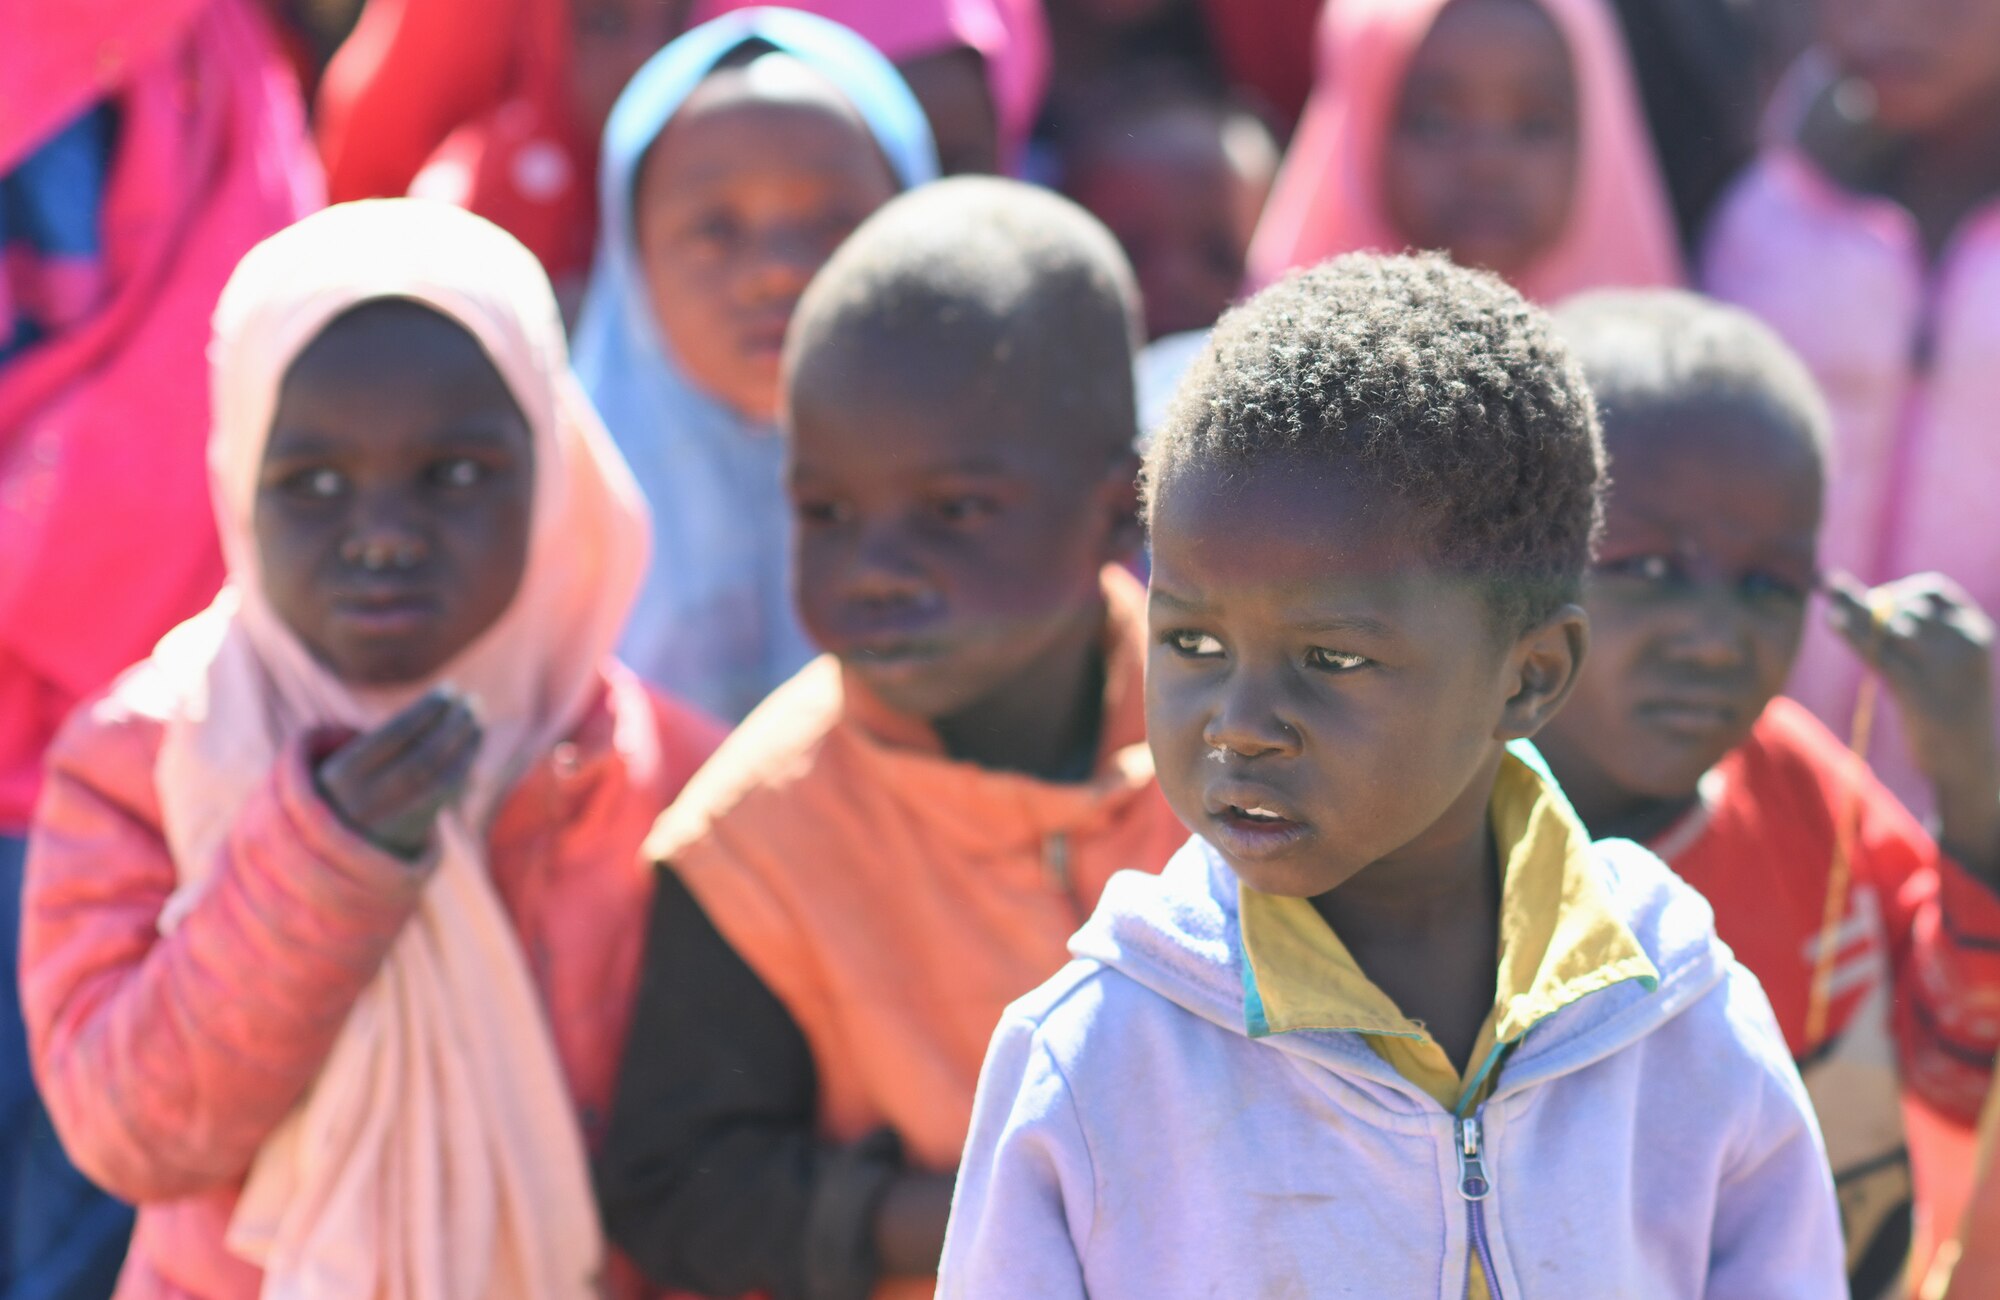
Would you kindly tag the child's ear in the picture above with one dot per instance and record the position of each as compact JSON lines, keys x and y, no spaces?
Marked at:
{"x":1543,"y":671}
{"x":1119,"y":499}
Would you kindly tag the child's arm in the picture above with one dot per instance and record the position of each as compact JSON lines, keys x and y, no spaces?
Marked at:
{"x":1026,"y":1190}
{"x":1777,"y":1224}
{"x":1933,"y":647}
{"x":166,"y":1060}
{"x":712,"y":1176}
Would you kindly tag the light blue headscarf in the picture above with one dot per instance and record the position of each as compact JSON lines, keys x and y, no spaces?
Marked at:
{"x":714,"y":622}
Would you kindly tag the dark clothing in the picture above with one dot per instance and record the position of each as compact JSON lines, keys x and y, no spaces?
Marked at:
{"x":713,"y":1176}
{"x":1699,"y":69}
{"x":60,"y":1238}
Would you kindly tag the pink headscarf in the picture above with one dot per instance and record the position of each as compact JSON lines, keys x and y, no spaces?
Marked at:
{"x":1329,"y":195}
{"x":438,"y":1154}
{"x":1010,"y":36}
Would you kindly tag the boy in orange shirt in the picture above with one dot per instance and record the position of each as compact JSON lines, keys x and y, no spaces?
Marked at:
{"x":901,"y":840}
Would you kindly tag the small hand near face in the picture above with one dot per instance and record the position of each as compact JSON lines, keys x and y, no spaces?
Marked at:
{"x":390,"y":783}
{"x":1933,"y":646}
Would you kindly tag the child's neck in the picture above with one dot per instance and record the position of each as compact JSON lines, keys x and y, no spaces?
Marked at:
{"x":1046,"y":722}
{"x":1424,"y":926}
{"x":1942,"y":177}
{"x":1608,"y":813}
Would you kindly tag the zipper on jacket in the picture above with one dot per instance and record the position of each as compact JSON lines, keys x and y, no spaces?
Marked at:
{"x":1475,"y":1186}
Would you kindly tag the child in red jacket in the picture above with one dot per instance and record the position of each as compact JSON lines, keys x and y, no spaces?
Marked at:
{"x":334,"y":911}
{"x":1676,"y":737}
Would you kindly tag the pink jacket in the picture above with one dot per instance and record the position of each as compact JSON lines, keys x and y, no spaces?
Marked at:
{"x":166,"y":1061}
{"x":1906,"y":353}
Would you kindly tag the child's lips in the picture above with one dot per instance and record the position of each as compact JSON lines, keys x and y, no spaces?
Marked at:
{"x":1694,"y":718}
{"x":889,"y":658}
{"x":1249,"y":824}
{"x":387,"y":613}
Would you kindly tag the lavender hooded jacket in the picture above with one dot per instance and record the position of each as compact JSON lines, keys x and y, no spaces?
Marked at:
{"x":1130,"y":1140}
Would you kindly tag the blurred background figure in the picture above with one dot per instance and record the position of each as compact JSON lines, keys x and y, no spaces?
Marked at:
{"x":1868,"y":234}
{"x":144,"y":145}
{"x":980,"y":68}
{"x":1180,"y":178}
{"x":495,"y":105}
{"x":734,"y":164}
{"x":1504,"y":132}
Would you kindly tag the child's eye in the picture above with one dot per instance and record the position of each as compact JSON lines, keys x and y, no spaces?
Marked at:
{"x":965,"y":509}
{"x":820,"y":514}
{"x":1335,"y":661}
{"x":1659,"y":569}
{"x":459,"y":472}
{"x":1763,"y":587}
{"x":317,"y":483}
{"x":714,"y":230}
{"x":1193,"y":645}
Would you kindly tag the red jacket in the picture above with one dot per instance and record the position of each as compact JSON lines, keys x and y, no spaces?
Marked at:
{"x":165,"y":1061}
{"x":1914,"y":1009}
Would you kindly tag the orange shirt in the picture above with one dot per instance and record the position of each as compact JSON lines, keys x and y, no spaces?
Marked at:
{"x":896,"y":900}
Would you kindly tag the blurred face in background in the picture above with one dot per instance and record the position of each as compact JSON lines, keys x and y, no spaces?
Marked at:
{"x":1181,"y":189}
{"x":609,"y":40}
{"x":1927,"y":63}
{"x":1482,"y":155}
{"x":747,"y":192}
{"x":958,"y":101}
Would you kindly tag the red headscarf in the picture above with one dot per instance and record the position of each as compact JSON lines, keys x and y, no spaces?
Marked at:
{"x":1329,"y":195}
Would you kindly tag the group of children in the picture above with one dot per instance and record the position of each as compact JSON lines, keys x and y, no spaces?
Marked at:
{"x":382,"y":933}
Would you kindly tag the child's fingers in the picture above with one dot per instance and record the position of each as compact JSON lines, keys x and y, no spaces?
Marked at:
{"x":1852,"y":616}
{"x":444,"y":781}
{"x":371,"y":751}
{"x":418,"y":767}
{"x":407,"y":781}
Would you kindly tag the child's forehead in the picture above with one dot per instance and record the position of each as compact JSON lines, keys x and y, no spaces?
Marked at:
{"x":1664,"y":444}
{"x":1294,"y":515}
{"x":769,"y":78}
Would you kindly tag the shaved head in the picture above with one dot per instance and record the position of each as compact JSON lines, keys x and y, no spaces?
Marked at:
{"x":987,"y":297}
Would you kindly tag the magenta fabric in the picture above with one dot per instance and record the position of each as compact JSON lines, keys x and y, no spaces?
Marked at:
{"x":104,"y":512}
{"x":1011,"y":36}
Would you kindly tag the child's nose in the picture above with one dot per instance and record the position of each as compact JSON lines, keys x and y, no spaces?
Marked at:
{"x":786,"y":262}
{"x":1716,"y":631}
{"x":384,"y":541}
{"x":1249,"y":724}
{"x":883,"y":569}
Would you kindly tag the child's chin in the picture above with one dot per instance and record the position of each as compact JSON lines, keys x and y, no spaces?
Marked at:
{"x":922,"y":685}
{"x":1286,"y":879}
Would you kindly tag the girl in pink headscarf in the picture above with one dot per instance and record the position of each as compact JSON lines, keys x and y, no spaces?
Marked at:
{"x":1505,"y":132}
{"x":333,"y":909}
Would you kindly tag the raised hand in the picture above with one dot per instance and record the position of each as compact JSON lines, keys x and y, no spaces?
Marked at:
{"x":1933,"y":646}
{"x":390,"y":783}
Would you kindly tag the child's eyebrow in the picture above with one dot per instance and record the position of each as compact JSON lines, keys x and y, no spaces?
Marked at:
{"x":473,"y":432}
{"x":295,"y":442}
{"x":973,"y":465}
{"x":1360,"y":624}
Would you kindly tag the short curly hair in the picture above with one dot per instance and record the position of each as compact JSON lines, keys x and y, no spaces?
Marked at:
{"x":1439,"y":384}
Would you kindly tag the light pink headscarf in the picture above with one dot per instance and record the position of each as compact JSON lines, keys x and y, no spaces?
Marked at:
{"x":437,"y":1156}
{"x":1010,"y":36}
{"x":1329,"y":195}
